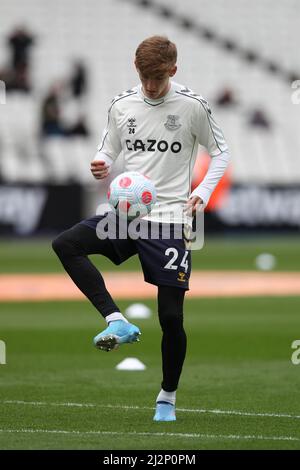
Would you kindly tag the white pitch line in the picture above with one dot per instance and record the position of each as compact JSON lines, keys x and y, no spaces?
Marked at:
{"x":241,"y":413}
{"x":155,"y":434}
{"x":127,"y":407}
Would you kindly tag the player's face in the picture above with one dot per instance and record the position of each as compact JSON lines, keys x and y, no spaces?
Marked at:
{"x":158,"y":86}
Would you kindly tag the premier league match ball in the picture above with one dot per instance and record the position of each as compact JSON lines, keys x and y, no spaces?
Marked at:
{"x":132,"y":194}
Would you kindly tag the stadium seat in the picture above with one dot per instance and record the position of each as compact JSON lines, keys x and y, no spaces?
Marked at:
{"x":269,"y":157}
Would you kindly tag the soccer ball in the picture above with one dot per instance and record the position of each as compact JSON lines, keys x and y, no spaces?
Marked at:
{"x":132,"y":194}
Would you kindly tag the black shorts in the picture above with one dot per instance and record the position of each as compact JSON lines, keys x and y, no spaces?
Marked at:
{"x":164,"y":258}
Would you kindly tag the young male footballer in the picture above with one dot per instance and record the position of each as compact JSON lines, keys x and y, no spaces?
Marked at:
{"x":158,"y":126}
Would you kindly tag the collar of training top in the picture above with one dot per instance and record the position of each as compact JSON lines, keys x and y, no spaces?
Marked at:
{"x":158,"y":101}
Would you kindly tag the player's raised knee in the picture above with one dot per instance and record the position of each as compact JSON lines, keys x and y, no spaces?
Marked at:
{"x":60,"y":244}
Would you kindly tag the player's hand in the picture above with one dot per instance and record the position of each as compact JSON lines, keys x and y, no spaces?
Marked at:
{"x":194,"y":204}
{"x":99,"y":169}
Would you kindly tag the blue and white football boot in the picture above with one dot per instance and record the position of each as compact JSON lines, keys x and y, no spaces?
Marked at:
{"x":164,"y":411}
{"x":117,"y":332}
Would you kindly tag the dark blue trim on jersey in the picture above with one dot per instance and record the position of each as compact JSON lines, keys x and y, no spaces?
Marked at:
{"x":190,"y":170}
{"x":108,"y":115}
{"x":121,"y":97}
{"x":103,"y":140}
{"x":152,"y":104}
{"x":199,"y":101}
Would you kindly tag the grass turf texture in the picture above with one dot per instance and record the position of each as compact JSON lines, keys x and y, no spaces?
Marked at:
{"x":239,"y":358}
{"x":232,"y":253}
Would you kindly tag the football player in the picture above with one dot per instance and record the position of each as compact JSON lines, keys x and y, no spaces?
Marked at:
{"x":157,"y":125}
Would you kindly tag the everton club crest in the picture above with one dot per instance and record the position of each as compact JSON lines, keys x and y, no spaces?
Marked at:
{"x":172,"y":123}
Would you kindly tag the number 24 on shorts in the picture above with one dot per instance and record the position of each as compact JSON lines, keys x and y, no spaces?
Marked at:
{"x":174,"y":253}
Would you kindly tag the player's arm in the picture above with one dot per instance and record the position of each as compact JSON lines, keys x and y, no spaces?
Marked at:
{"x":100,"y":166}
{"x":108,"y":150}
{"x":209,"y":135}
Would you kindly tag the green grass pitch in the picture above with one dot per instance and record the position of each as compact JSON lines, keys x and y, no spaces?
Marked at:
{"x":237,"y":253}
{"x":58,"y":392}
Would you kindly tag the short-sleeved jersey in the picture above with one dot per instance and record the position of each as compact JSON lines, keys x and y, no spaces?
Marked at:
{"x":160,"y":138}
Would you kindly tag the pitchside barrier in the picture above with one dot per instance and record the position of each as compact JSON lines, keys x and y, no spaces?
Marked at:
{"x":36,"y":209}
{"x":256,"y":207}
{"x":27,"y":210}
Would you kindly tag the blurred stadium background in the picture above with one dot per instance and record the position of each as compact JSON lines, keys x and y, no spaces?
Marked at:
{"x":61,"y":63}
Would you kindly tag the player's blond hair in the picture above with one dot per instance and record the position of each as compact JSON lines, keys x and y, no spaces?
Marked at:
{"x":155,"y":56}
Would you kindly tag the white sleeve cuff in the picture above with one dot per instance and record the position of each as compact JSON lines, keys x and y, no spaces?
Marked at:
{"x":214,"y":173}
{"x":103,"y":157}
{"x":203,"y":193}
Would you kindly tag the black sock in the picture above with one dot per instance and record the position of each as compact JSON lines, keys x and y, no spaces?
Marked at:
{"x":173,"y":345}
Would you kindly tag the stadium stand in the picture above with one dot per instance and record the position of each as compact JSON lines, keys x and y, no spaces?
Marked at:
{"x":214,"y":53}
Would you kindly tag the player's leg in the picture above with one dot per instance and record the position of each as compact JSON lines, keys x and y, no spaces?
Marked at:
{"x":73,"y":247}
{"x":166,"y":263}
{"x":173,"y":349}
{"x":173,"y":345}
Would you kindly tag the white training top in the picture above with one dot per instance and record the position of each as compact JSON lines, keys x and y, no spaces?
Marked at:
{"x":160,"y":138}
